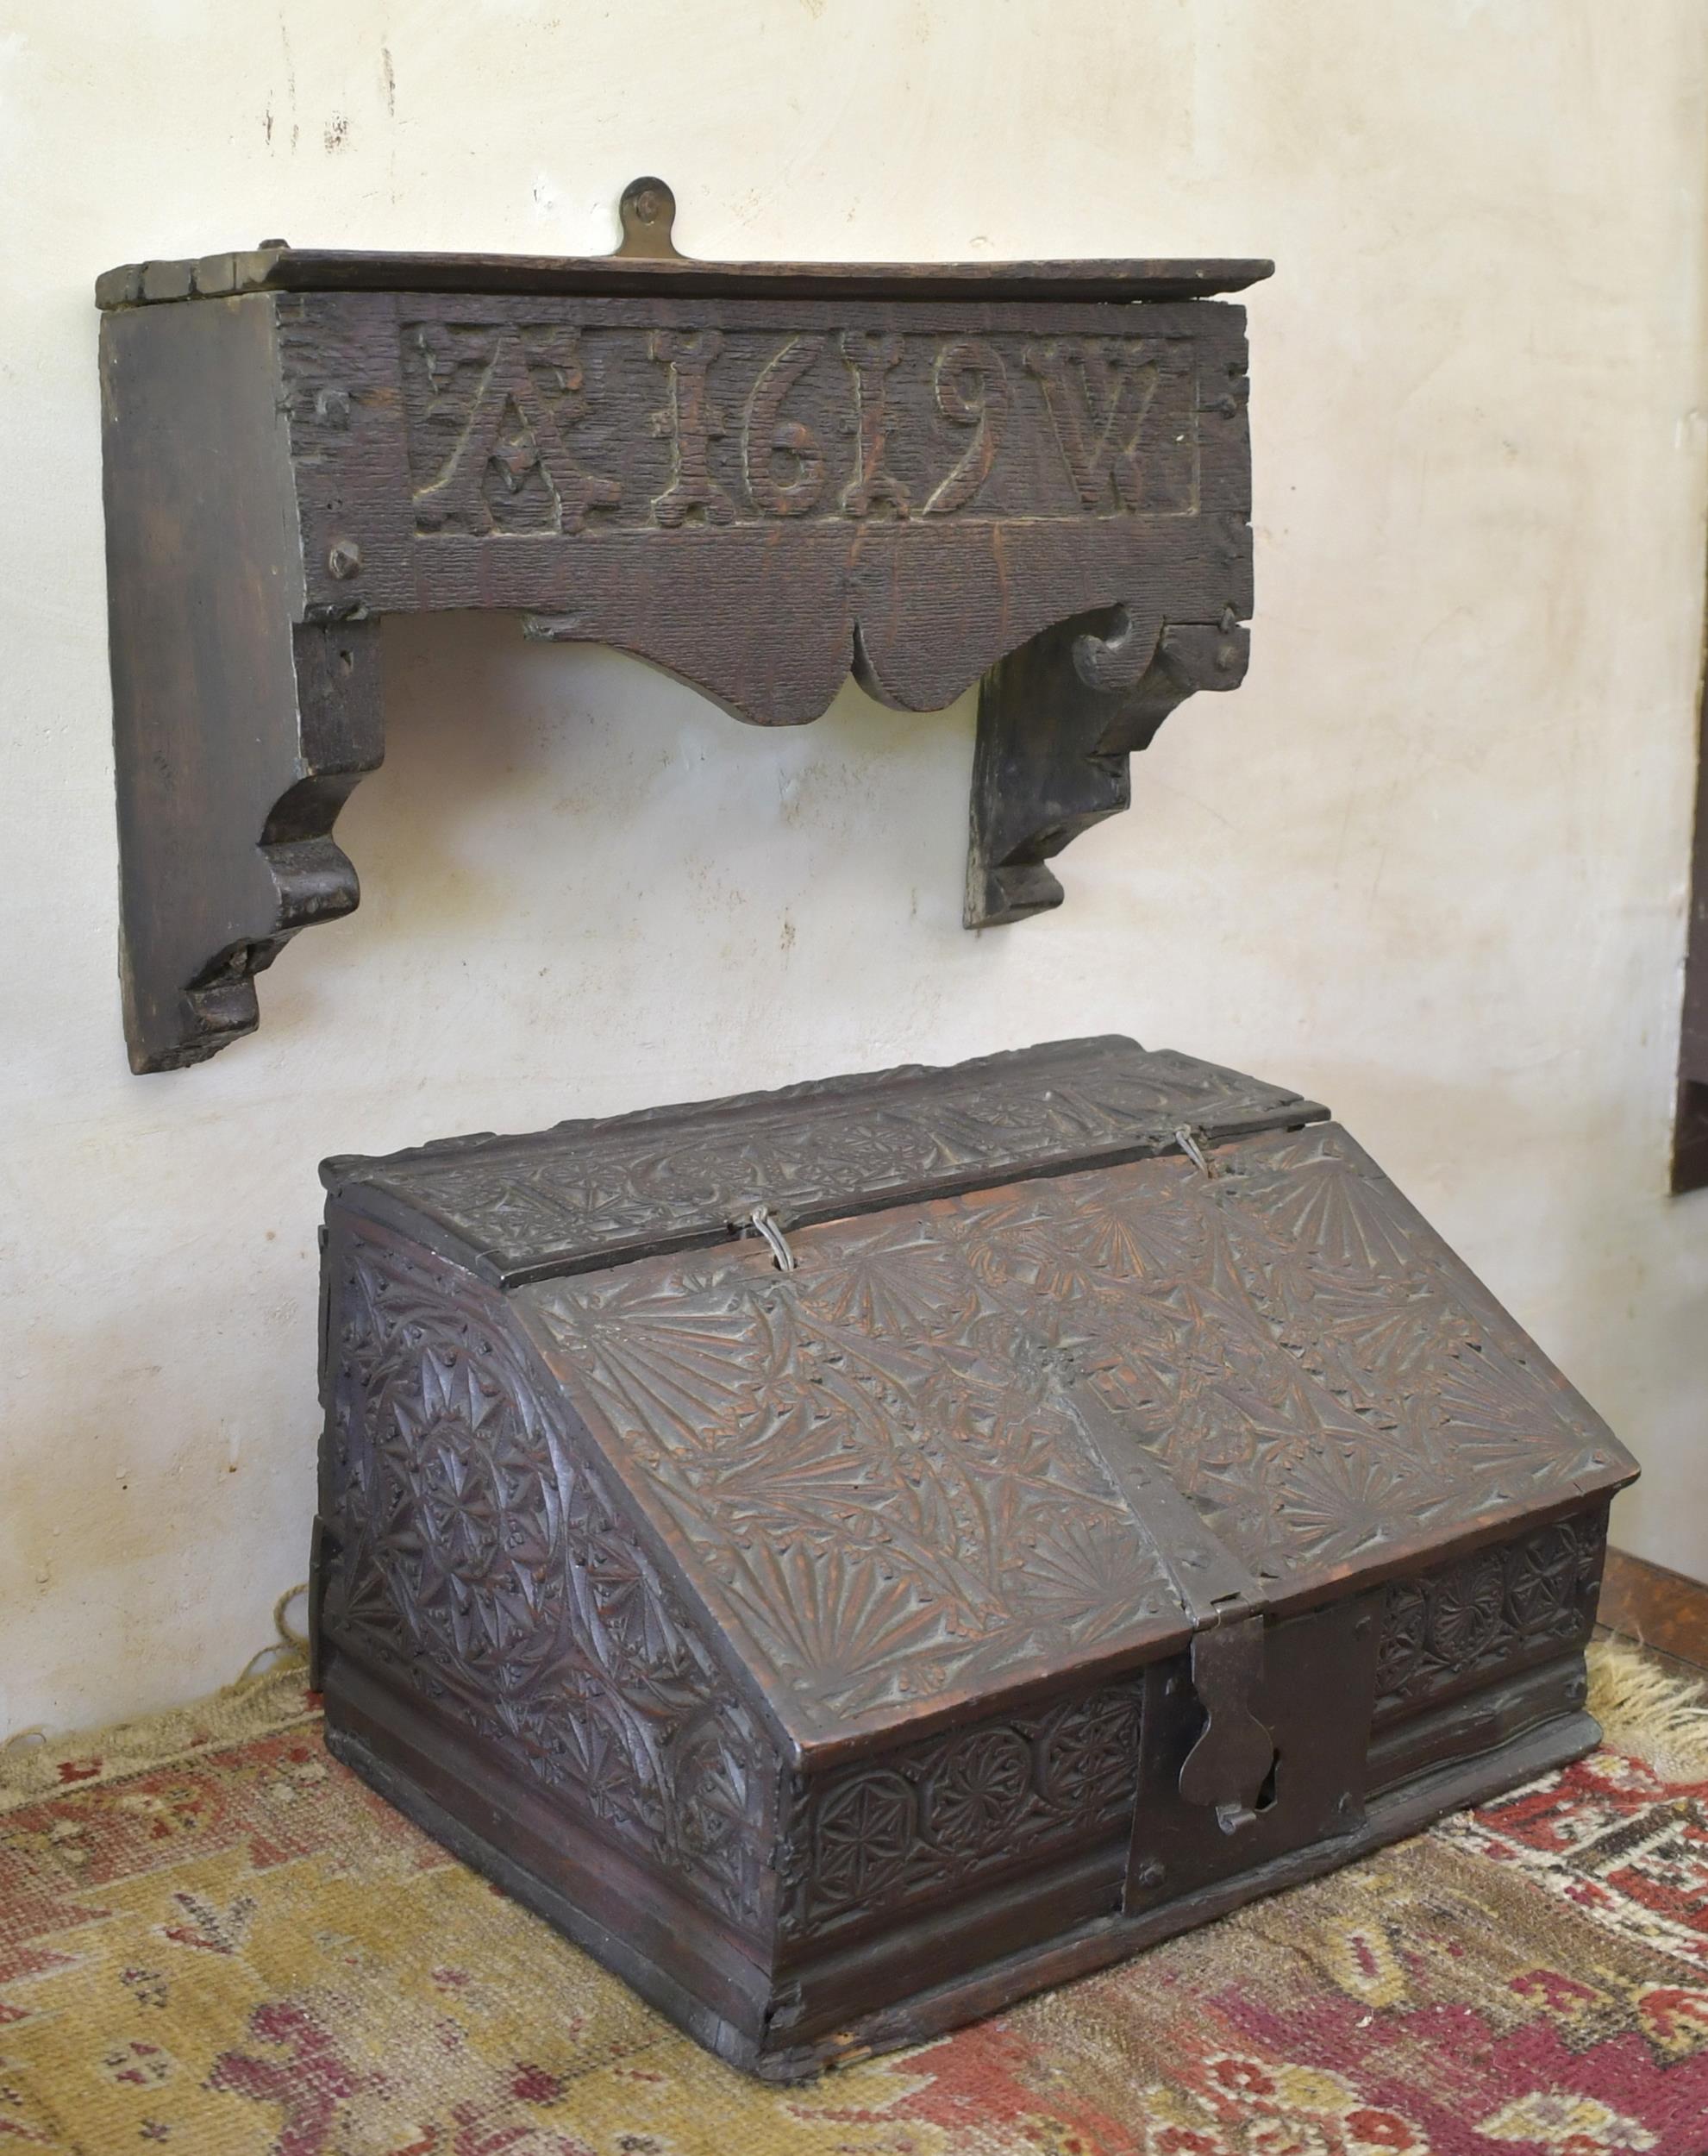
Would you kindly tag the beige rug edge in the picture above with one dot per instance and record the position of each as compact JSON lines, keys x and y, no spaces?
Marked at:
{"x":33,"y":1765}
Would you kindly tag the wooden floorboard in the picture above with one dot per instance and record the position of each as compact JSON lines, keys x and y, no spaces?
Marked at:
{"x":1662,"y":1609}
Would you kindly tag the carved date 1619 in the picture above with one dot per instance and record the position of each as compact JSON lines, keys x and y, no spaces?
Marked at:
{"x":521,"y":427}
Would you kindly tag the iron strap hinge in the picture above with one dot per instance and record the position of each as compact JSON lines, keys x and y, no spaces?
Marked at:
{"x":1228,"y":1764}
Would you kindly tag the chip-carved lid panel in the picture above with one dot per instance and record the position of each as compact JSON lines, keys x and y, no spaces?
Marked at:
{"x":598,"y":1192}
{"x":868,"y":1472}
{"x":891,"y":1474}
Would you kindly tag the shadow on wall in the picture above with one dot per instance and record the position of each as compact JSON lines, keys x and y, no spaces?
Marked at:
{"x":533,"y":790}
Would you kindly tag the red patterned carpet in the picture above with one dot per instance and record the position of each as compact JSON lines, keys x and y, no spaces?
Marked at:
{"x":240,"y":1949}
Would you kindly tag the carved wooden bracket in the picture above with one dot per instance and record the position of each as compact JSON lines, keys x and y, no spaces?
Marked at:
{"x":1057,"y":722}
{"x":761,"y":477}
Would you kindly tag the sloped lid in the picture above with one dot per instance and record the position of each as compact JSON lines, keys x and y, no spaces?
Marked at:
{"x":597,"y":1193}
{"x":1048,"y":1389}
{"x":1044,"y":1430}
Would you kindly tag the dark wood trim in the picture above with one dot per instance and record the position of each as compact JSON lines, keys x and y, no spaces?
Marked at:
{"x":784,"y":2040}
{"x":1690,"y":1122}
{"x":330,"y":270}
{"x":1658,"y":1609}
{"x":647,"y":261}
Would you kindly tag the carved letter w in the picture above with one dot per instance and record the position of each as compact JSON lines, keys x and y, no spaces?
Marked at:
{"x":1099,"y":390}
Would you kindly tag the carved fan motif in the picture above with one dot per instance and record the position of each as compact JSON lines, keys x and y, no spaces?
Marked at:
{"x":902,"y":1284}
{"x":1334,"y":1220}
{"x":876,"y":1449}
{"x":886,"y":1494}
{"x":1465,"y":1609}
{"x":498,"y":1577}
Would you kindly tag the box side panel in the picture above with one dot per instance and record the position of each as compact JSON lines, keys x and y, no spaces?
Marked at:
{"x":478,"y":1580}
{"x":625,"y":1911}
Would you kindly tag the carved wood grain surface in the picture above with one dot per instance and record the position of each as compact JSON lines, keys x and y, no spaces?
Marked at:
{"x":764,"y":497}
{"x":596,"y":1192}
{"x":874,"y":1466}
{"x":477,"y":1557}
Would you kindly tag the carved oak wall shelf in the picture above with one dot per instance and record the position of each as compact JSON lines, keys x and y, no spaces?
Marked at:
{"x":758,"y":476}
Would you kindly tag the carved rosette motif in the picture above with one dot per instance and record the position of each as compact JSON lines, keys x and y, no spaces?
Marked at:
{"x":937,"y":1817}
{"x":477,"y":1558}
{"x":1516,"y":1602}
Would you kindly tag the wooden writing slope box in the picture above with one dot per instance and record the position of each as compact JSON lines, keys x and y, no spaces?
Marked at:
{"x":1090,"y":1496}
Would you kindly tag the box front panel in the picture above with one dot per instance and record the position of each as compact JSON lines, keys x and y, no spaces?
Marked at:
{"x":878,"y":1844}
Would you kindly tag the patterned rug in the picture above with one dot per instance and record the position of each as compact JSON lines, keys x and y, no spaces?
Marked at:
{"x":213,"y":1938}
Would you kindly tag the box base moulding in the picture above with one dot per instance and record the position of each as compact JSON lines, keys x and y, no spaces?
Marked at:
{"x":1076,"y":1922}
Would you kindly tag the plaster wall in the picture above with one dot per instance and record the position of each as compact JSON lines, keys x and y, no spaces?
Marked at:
{"x":1429,"y":864}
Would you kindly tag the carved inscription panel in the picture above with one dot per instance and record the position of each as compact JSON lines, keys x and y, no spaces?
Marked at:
{"x":762,"y":496}
{"x":544,"y":427}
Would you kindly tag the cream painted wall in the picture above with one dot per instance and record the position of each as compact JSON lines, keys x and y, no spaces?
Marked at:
{"x":1428,"y":864}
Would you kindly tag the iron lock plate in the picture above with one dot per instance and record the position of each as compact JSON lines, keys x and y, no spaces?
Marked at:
{"x":1252,"y":1745}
